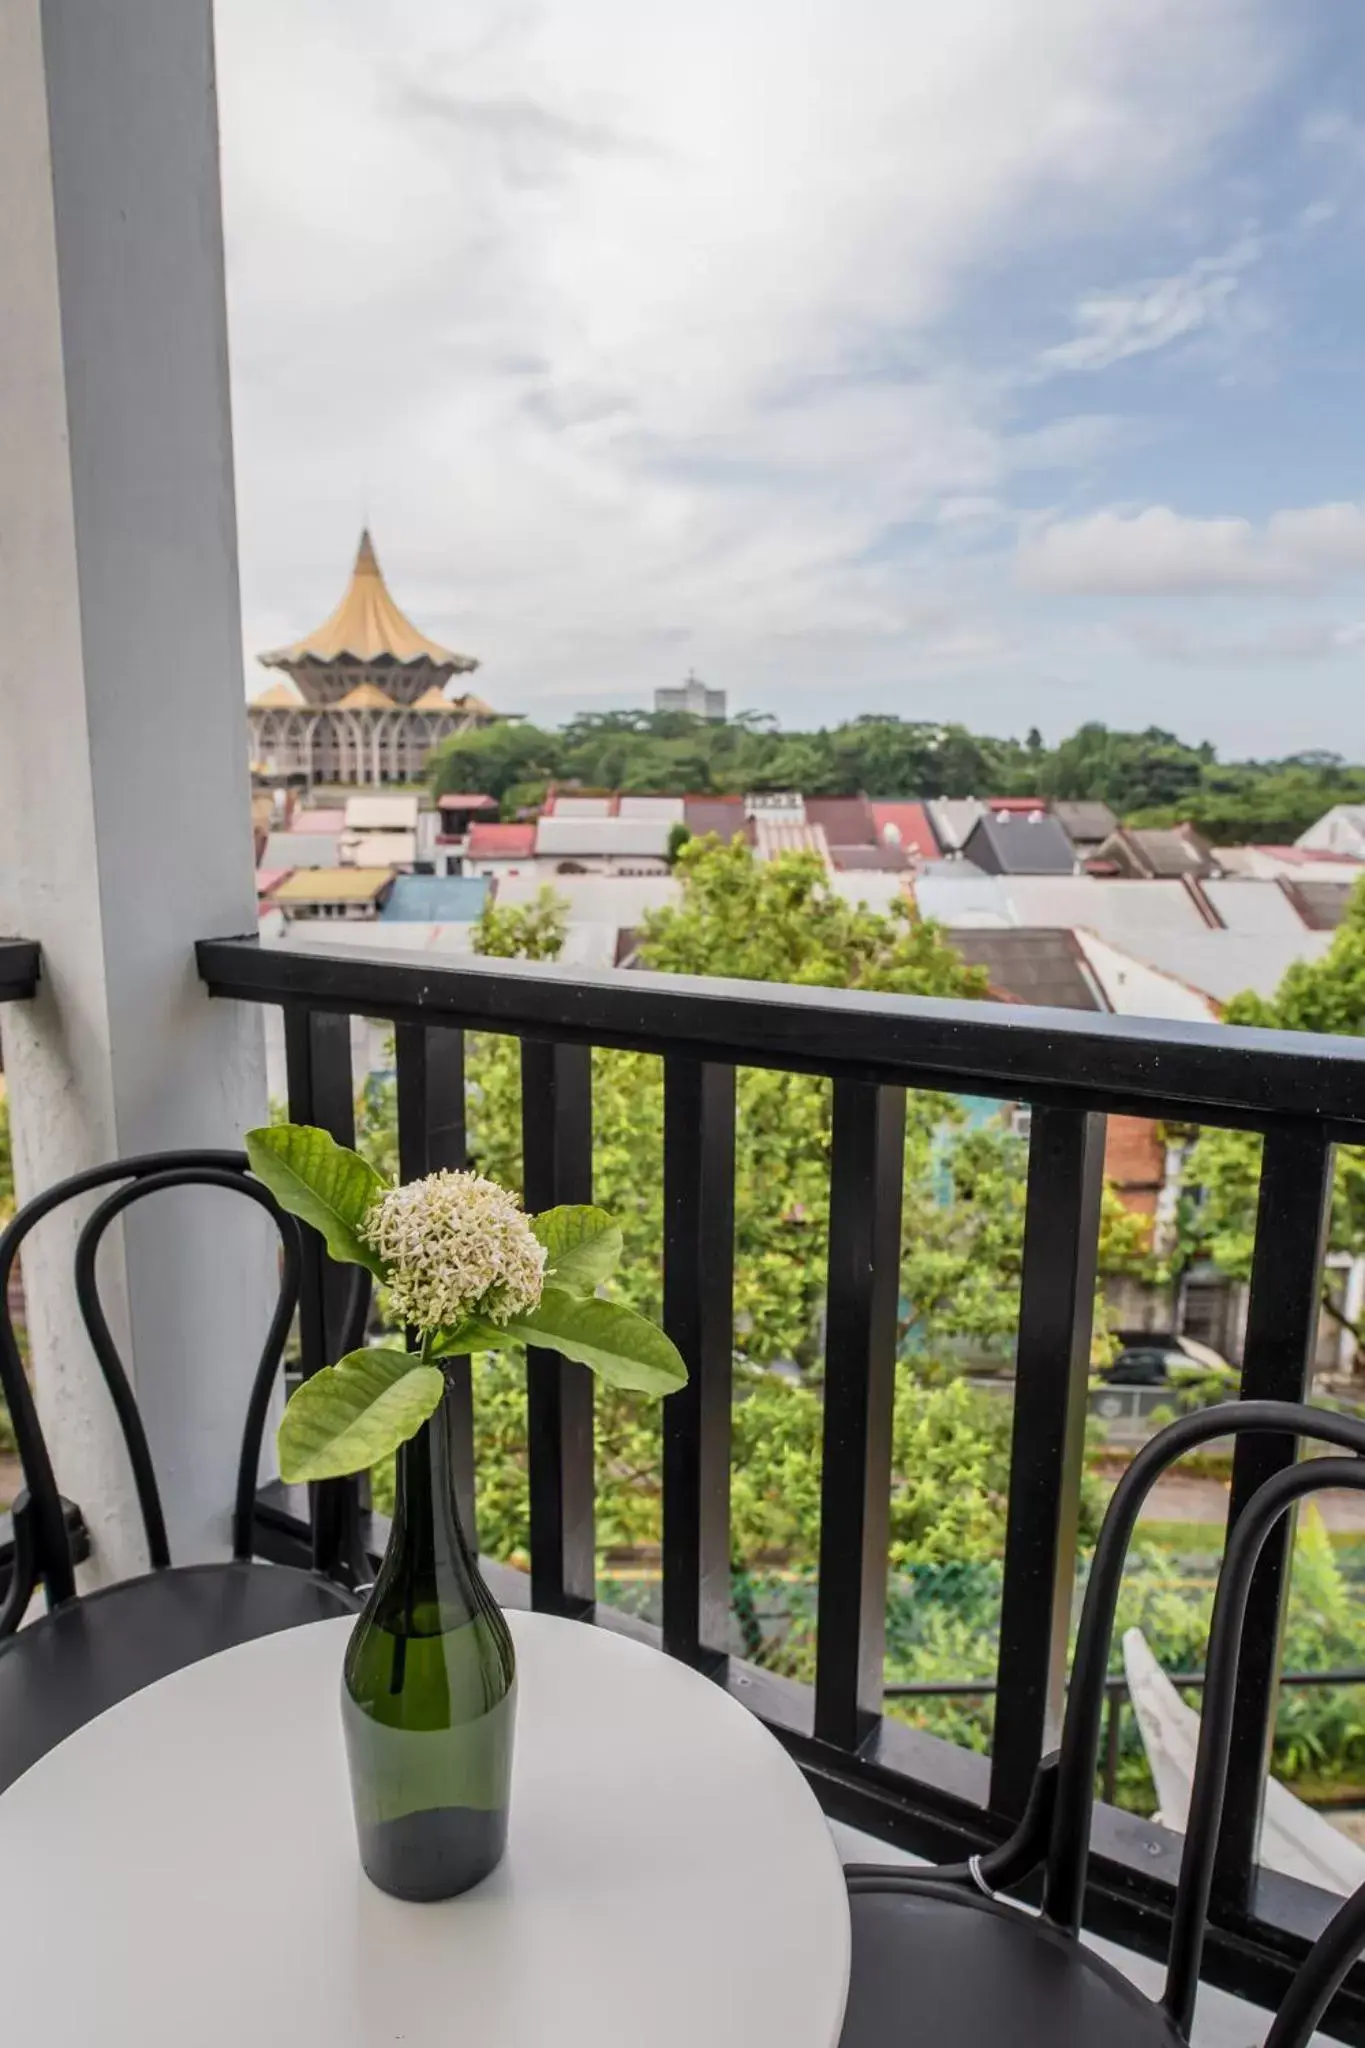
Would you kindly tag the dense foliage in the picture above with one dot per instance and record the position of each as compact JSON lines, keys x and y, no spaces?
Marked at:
{"x":1218,"y":1211}
{"x":1149,"y":777}
{"x":960,"y":1258}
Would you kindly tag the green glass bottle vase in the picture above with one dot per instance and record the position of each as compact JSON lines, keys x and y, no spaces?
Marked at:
{"x":429,"y":1694}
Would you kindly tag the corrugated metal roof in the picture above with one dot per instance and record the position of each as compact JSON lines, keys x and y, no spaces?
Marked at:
{"x":332,"y":885}
{"x":1134,"y":988}
{"x":1252,"y":907}
{"x":1043,"y":967}
{"x":302,"y":850}
{"x":382,"y":813}
{"x":1020,"y":844}
{"x":379,"y":849}
{"x":578,"y":807}
{"x":1123,"y":912}
{"x":559,"y":838}
{"x":778,"y":835}
{"x":669,"y":810}
{"x":844,"y":820}
{"x":962,"y":899}
{"x":617,"y":900}
{"x":891,"y":860}
{"x":1157,"y":854}
{"x":1340,"y":830}
{"x":878,"y":890}
{"x":1084,"y":821}
{"x":1320,"y":906}
{"x":1224,"y":964}
{"x":436,"y":899}
{"x":722,"y":815}
{"x":953,"y":818}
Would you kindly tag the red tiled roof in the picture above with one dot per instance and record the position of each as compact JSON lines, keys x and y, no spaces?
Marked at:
{"x":909,"y":828}
{"x":1025,"y":805}
{"x":467,"y":803}
{"x":511,"y":840}
{"x":1306,"y":856}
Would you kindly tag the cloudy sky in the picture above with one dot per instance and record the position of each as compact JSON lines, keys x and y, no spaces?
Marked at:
{"x":999,"y":361}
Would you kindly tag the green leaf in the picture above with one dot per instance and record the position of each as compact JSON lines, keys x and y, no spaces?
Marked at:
{"x":321,"y":1182}
{"x":622,"y":1348}
{"x":352,"y":1414}
{"x":584,"y":1247}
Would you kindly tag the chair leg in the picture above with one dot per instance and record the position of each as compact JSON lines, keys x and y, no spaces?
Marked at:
{"x":1008,"y":1864}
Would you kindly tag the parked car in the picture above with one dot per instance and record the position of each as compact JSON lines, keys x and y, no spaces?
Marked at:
{"x":1159,"y":1360}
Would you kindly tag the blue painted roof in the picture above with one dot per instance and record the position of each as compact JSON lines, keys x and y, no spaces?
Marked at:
{"x":435,"y":899}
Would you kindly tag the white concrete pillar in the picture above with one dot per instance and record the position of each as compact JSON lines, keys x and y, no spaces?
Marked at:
{"x":125,"y":827}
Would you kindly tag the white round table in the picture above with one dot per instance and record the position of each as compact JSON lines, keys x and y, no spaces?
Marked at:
{"x":184,"y":1869}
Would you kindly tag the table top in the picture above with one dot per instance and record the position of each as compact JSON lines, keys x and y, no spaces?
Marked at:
{"x":185,"y":1869}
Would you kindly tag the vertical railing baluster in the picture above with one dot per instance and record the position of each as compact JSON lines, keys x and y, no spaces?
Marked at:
{"x":429,"y":1060}
{"x":556,"y":1138}
{"x":318,"y":1058}
{"x":1056,"y":1311}
{"x":1282,"y":1325}
{"x":867,"y":1167}
{"x":699,"y":1246}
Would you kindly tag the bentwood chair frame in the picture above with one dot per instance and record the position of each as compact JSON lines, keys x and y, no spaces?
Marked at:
{"x":1054,"y":1834}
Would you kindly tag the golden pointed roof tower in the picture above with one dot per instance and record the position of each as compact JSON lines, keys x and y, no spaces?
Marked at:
{"x":368,"y":640}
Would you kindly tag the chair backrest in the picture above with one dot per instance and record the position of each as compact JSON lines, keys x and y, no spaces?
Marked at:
{"x":42,"y":1543}
{"x":1068,"y":1853}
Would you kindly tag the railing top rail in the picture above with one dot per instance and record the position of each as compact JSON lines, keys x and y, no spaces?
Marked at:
{"x":1209,"y":1073}
{"x":20,"y":963}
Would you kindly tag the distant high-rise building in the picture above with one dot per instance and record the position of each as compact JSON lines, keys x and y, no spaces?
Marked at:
{"x":366,"y":698}
{"x":693,"y":696}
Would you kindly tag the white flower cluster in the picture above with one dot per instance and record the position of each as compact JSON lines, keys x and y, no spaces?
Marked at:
{"x":457,"y":1246}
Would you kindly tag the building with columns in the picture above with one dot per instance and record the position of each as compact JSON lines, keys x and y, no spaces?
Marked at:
{"x":363,"y":699}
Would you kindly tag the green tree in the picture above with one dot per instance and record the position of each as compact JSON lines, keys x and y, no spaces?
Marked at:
{"x":523,"y":931}
{"x":1128,"y":770}
{"x":1217,"y":1215}
{"x":490,"y":760}
{"x":782,"y":920}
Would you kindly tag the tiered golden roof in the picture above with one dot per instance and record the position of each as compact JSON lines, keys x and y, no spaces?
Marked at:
{"x":368,"y":626}
{"x":365,"y":697}
{"x":281,"y":696}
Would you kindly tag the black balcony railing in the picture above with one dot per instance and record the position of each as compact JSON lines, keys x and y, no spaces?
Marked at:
{"x":20,"y":966}
{"x":1303,"y":1093}
{"x":19,"y":961}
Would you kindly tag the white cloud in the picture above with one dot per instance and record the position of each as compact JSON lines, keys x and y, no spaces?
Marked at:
{"x":1282,"y":644}
{"x":1158,"y":551}
{"x":620,"y":325}
{"x":1139,"y":318}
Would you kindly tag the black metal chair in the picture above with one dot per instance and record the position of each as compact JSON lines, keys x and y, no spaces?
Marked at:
{"x":88,"y":1652}
{"x":939,"y":1955}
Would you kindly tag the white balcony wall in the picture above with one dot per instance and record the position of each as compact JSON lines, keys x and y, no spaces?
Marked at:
{"x":124,"y":812}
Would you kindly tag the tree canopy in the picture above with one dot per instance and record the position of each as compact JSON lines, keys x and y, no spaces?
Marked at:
{"x":1222,"y":1175}
{"x":1148,"y":777}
